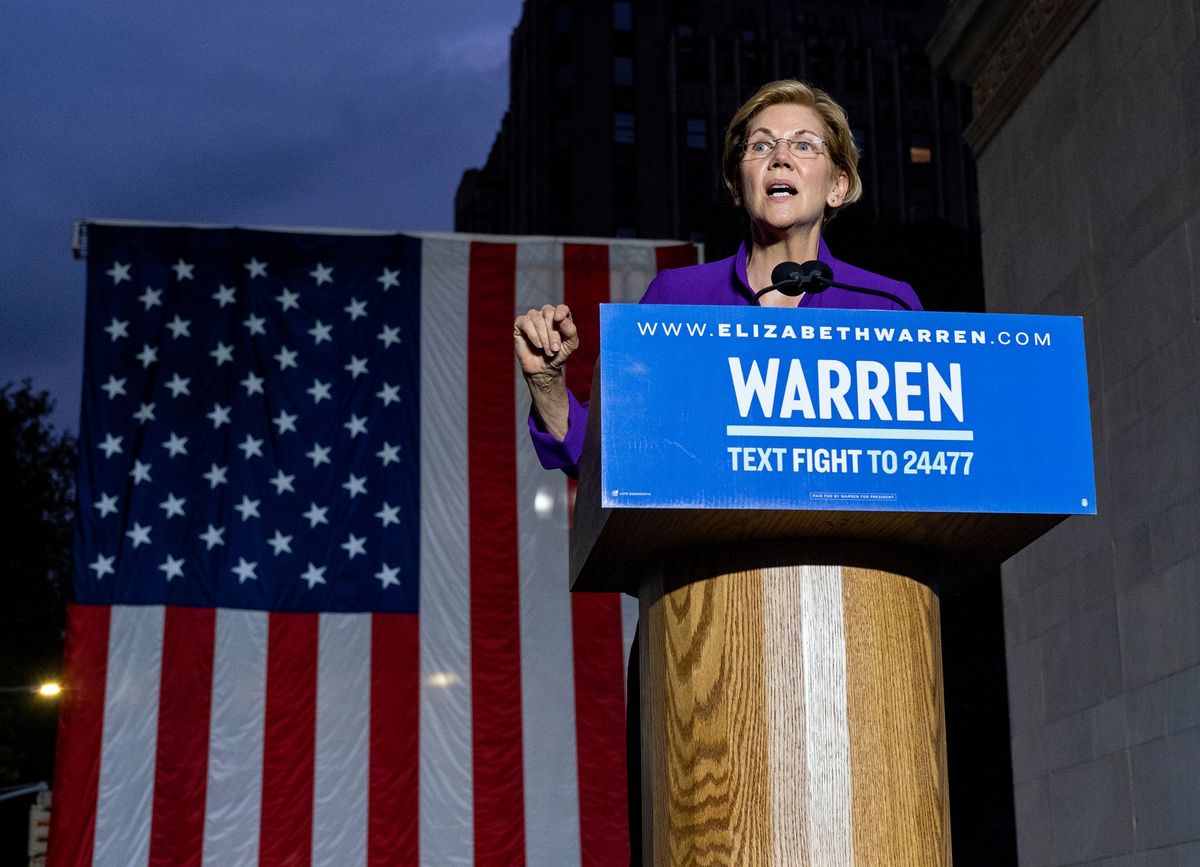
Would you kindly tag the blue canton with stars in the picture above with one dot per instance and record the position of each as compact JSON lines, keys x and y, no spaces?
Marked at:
{"x":250,"y":423}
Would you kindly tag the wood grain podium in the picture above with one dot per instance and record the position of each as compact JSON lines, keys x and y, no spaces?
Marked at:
{"x":791,"y":686}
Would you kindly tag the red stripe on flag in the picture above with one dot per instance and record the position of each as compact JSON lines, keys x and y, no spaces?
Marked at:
{"x":497,"y":750}
{"x":392,"y":797}
{"x":181,"y":760}
{"x":596,"y":617}
{"x":676,"y":256}
{"x":289,"y":733}
{"x":80,"y":726}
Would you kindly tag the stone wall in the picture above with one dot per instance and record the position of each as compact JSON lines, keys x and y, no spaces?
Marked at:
{"x":1090,"y":205}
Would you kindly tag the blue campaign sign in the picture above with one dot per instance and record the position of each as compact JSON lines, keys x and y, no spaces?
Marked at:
{"x":748,"y":407}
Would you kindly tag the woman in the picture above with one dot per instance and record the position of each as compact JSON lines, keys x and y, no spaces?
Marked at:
{"x":791,"y":163}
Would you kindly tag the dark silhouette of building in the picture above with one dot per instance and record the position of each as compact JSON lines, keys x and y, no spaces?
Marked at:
{"x":617,"y":113}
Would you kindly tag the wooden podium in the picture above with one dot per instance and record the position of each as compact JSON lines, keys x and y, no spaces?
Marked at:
{"x":791,"y":672}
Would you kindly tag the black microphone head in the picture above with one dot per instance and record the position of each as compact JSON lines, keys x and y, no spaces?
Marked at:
{"x":815,"y":276}
{"x":786,"y":277}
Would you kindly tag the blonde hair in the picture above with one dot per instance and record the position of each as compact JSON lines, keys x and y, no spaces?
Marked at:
{"x":842,"y":150}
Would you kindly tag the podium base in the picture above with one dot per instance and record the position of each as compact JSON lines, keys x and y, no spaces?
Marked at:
{"x":792,"y":709}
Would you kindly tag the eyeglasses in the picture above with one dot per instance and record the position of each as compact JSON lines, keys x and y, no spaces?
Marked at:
{"x":806,"y":148}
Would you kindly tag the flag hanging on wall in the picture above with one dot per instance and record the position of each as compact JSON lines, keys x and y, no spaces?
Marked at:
{"x":321,"y":600}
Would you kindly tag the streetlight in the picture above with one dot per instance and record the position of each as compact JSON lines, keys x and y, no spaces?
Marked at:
{"x":49,"y":689}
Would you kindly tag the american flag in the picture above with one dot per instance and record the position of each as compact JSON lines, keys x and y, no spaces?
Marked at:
{"x":321,"y":606}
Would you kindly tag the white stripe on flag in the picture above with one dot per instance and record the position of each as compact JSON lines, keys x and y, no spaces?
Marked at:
{"x":235,"y":741}
{"x":340,"y":773}
{"x":547,"y":653}
{"x":125,"y":797}
{"x":446,"y":804}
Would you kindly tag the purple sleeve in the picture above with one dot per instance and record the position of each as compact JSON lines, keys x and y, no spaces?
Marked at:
{"x":556,"y":454}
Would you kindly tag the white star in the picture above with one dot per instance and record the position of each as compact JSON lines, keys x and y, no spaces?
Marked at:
{"x":247,"y":508}
{"x":285,"y":421}
{"x":179,"y":327}
{"x":283,"y":482}
{"x":319,"y":391}
{"x":389,"y":514}
{"x":117,"y":328}
{"x":356,"y":426}
{"x":389,"y":279}
{"x":222,"y":353}
{"x":171,"y":567}
{"x":256,"y":268}
{"x":288,"y":300}
{"x":388,"y":576}
{"x":183,"y":271}
{"x":213,"y":536}
{"x":281,"y":543}
{"x":251,"y":447}
{"x":255,"y":324}
{"x":356,"y":309}
{"x":103,"y":566}
{"x":176,"y":445}
{"x":321,"y":274}
{"x":139,"y":535}
{"x":252,"y":383}
{"x":318,"y":455}
{"x":225,"y":295}
{"x":354,"y":546}
{"x":107,"y":505}
{"x":111,"y":445}
{"x":118,"y":272}
{"x":388,"y":454}
{"x":313,"y":576}
{"x":146,"y":413}
{"x":216,"y":476}
{"x":219,"y":415}
{"x":285,"y":357}
{"x":316,"y":515}
{"x":178,"y":385}
{"x":114,"y":387}
{"x":173,"y":505}
{"x":389,"y":335}
{"x":355,"y":485}
{"x":356,"y":366}
{"x":147,"y":356}
{"x":320,"y":332}
{"x":245,"y":571}
{"x":151,"y":298}
{"x":140,"y":472}
{"x":389,"y":394}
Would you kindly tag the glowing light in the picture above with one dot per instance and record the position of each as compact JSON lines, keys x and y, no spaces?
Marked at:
{"x":49,"y":690}
{"x":442,"y":678}
{"x":543,"y":503}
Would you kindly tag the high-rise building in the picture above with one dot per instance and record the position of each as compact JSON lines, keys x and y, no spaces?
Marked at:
{"x":617,"y":114}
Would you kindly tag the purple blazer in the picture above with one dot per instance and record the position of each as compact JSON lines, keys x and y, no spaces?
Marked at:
{"x":720,"y":282}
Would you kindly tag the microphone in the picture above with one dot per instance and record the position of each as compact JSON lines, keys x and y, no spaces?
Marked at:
{"x":791,"y":279}
{"x":815,"y":276}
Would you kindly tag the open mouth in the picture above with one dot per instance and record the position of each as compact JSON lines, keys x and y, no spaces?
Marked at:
{"x":780,"y":190}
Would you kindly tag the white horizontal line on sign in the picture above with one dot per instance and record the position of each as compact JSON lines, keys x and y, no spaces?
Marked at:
{"x":847,"y":433}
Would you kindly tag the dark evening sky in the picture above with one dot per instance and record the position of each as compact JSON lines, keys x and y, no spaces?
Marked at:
{"x":353,"y":114}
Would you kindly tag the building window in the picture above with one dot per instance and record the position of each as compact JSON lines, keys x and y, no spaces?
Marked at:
{"x":564,"y":75}
{"x":562,"y":19}
{"x":622,"y":16}
{"x":623,"y":128}
{"x":696,"y":133}
{"x":919,"y":151}
{"x":623,"y":71}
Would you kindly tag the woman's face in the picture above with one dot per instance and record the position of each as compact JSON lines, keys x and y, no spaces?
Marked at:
{"x":784,"y":190}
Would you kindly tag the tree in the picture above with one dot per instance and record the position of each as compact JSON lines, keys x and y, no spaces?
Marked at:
{"x":37,"y":500}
